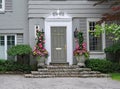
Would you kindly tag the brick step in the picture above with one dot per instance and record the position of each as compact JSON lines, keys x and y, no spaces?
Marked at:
{"x":64,"y":73}
{"x":64,"y":70}
{"x":52,"y":76}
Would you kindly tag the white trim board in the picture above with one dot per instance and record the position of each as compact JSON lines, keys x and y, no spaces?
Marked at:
{"x":59,"y":22}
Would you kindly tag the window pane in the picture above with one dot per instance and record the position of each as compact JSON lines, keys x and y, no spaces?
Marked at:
{"x":2,"y":47}
{"x":2,"y":40}
{"x":0,"y":4}
{"x":10,"y":43}
{"x":95,"y":43}
{"x":0,"y":1}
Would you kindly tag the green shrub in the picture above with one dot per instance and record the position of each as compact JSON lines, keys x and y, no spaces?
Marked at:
{"x":2,"y":68}
{"x":10,"y":65}
{"x":102,"y":65}
{"x":22,"y":52}
{"x":19,"y":50}
{"x":113,"y":52}
{"x":113,"y":49}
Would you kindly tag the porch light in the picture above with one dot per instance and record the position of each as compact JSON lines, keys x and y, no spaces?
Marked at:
{"x":42,"y":31}
{"x":75,"y":33}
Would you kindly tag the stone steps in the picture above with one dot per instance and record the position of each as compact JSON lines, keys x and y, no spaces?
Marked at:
{"x":64,"y":71}
{"x":62,"y":67}
{"x":58,"y":76}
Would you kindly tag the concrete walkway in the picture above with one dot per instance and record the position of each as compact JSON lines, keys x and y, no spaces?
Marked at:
{"x":19,"y":82}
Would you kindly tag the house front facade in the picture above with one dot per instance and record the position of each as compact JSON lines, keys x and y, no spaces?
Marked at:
{"x":58,"y":19}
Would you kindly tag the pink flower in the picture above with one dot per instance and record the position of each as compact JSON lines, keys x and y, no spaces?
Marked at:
{"x":40,"y":45}
{"x":77,"y":46}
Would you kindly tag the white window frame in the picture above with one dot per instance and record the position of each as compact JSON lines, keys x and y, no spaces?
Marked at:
{"x":5,"y":36}
{"x":3,"y":6}
{"x":103,"y":36}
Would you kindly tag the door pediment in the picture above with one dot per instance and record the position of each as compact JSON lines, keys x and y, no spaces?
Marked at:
{"x":58,"y":15}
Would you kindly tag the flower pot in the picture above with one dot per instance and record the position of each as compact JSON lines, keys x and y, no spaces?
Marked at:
{"x":41,"y":62}
{"x":81,"y":60}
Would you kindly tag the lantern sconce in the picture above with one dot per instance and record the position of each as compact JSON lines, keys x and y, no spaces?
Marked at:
{"x":42,"y":31}
{"x":36,"y":27}
{"x":75,"y":33}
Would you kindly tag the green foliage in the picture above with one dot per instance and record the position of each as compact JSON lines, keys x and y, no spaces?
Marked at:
{"x":19,"y":50}
{"x":102,"y":65}
{"x":10,"y":65}
{"x":80,"y":39}
{"x":115,"y":76}
{"x":112,"y":30}
{"x":2,"y":61}
{"x":113,"y":49}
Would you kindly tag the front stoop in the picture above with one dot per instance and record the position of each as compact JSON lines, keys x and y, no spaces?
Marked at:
{"x":64,"y":71}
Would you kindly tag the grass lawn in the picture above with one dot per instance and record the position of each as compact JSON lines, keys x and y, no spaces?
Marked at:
{"x":115,"y":76}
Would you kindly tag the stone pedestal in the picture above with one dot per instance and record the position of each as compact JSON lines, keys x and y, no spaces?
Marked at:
{"x":81,"y":61}
{"x":41,"y":62}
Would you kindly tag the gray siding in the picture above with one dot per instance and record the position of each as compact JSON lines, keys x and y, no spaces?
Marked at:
{"x":15,"y":18}
{"x":81,"y":25}
{"x":32,"y":23}
{"x":8,"y":5}
{"x":75,"y":8}
{"x":19,"y":38}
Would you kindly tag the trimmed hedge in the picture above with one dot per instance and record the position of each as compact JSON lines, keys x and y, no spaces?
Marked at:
{"x":19,"y":50}
{"x":22,"y":52}
{"x":113,"y":49}
{"x":102,"y":65}
{"x":10,"y":65}
{"x":113,"y":52}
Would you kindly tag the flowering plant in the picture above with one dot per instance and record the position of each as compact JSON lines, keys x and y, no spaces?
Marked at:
{"x":39,"y":49}
{"x":81,"y":48}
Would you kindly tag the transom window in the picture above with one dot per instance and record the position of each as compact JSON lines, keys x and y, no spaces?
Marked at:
{"x":2,"y":6}
{"x":95,"y":43}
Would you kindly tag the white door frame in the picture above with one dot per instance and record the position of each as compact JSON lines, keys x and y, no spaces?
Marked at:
{"x":67,"y":22}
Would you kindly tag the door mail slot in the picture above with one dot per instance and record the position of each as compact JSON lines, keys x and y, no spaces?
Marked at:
{"x":58,"y":48}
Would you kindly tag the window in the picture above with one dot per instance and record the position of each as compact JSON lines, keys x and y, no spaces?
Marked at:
{"x":6,"y":42}
{"x":2,"y":6}
{"x":95,"y":43}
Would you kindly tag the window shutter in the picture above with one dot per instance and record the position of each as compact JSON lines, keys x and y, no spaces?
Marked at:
{"x":8,"y":5}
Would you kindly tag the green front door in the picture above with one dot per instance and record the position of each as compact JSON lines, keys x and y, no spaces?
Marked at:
{"x":58,"y":45}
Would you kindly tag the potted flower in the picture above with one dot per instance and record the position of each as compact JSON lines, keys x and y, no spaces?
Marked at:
{"x":80,"y":51}
{"x":39,"y":49}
